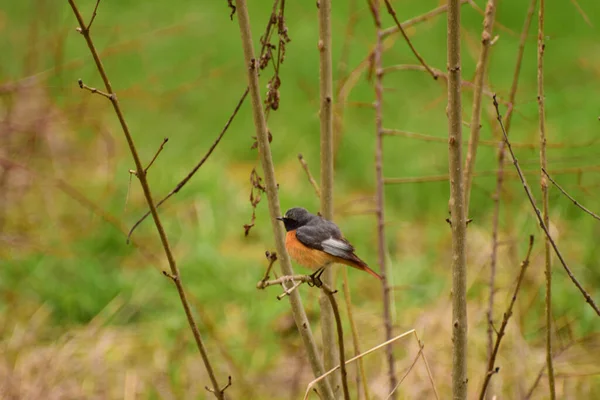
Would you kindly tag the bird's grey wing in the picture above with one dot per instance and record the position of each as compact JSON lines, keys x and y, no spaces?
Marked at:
{"x":325,"y":236}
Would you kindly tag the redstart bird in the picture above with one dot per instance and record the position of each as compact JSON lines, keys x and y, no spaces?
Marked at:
{"x":314,"y":242}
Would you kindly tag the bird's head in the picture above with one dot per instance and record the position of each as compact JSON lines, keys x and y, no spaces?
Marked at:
{"x":295,"y":218}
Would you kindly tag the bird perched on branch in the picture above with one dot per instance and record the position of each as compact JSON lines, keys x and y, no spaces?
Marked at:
{"x":314,"y":242}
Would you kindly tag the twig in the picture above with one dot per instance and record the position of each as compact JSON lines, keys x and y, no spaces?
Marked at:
{"x":570,"y":197}
{"x":93,"y":15}
{"x":457,"y":207}
{"x":407,"y":371}
{"x":312,"y":181}
{"x":585,"y":294}
{"x":480,"y":70}
{"x":196,"y":168}
{"x":272,"y":257}
{"x":91,"y":89}
{"x":545,"y":206}
{"x":380,"y":193}
{"x":251,"y":67}
{"x":386,"y":343}
{"x":355,"y":340}
{"x":500,"y":175}
{"x":162,"y":145}
{"x":392,"y":12}
{"x":491,"y":370}
{"x":85,"y":32}
{"x":222,"y":390}
{"x":340,"y":332}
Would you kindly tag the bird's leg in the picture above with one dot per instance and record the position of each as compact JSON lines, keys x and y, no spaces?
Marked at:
{"x":316,"y":277}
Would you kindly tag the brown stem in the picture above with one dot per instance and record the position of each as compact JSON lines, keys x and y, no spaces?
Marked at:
{"x":544,"y":187}
{"x":340,"y":332}
{"x":486,"y":39}
{"x":500,"y":175}
{"x":311,"y":179}
{"x":141,"y":174}
{"x":538,"y":214}
{"x":326,"y":118}
{"x":457,"y":207}
{"x":507,"y":314}
{"x":379,"y":194}
{"x":264,"y":150}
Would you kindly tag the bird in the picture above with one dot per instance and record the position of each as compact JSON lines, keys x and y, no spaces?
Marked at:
{"x":316,"y":243}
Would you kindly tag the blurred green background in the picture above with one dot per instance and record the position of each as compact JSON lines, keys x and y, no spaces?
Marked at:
{"x":84,"y":315}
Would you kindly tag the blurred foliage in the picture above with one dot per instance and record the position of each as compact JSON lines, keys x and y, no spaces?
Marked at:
{"x":77,"y":297}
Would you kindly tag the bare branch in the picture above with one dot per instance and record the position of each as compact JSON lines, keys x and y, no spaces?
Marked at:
{"x":491,"y":370}
{"x":162,"y":145}
{"x":392,"y":12}
{"x":311,"y":179}
{"x":83,"y":29}
{"x":537,"y":212}
{"x":570,"y":197}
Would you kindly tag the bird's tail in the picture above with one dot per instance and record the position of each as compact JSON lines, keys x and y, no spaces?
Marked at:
{"x":360,"y":264}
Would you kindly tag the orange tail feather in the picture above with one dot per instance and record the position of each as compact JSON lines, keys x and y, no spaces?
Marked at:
{"x":360,"y":264}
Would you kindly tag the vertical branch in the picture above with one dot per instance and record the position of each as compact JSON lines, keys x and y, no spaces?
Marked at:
{"x":500,"y":181}
{"x":379,"y":195}
{"x":84,"y":30}
{"x":330,"y":355}
{"x":264,"y":149}
{"x":457,"y":207}
{"x":544,"y":186}
{"x":486,"y":38}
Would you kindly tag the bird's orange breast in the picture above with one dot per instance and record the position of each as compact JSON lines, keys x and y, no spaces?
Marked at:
{"x":304,"y":255}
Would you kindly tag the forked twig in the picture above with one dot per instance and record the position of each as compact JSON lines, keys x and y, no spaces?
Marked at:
{"x":141,"y":174}
{"x":570,"y":197}
{"x":196,"y":168}
{"x":392,"y":12}
{"x":507,"y":314}
{"x":537,"y":212}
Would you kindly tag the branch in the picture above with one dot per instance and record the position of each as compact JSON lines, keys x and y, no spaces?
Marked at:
{"x":545,"y":206}
{"x":196,"y":168}
{"x":457,"y":207}
{"x":162,"y":146}
{"x":392,"y":12}
{"x":486,"y":38}
{"x":326,"y":128}
{"x":570,"y":197}
{"x":85,"y":32}
{"x":507,"y":314}
{"x":585,"y":294}
{"x":251,"y":68}
{"x":311,"y":179}
{"x":380,"y":193}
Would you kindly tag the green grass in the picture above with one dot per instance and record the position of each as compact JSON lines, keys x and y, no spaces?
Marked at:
{"x":177,"y":68}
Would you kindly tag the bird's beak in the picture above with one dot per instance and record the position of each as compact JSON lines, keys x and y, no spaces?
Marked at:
{"x":280,"y":218}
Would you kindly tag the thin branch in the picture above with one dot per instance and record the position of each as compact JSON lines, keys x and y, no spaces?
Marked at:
{"x":384,"y":344}
{"x":326,"y":129}
{"x":419,"y":354}
{"x":251,"y":67}
{"x":312,"y":181}
{"x":380,"y":193}
{"x":92,"y":89}
{"x":162,"y":146}
{"x":392,"y":12}
{"x":421,"y":18}
{"x":355,"y":339}
{"x":570,"y":197}
{"x":197,"y":167}
{"x":84,"y":30}
{"x":545,"y":205}
{"x":89,"y":26}
{"x":340,"y":332}
{"x":500,"y":179}
{"x":491,"y":370}
{"x":480,"y":70}
{"x":457,"y":207}
{"x":585,"y":294}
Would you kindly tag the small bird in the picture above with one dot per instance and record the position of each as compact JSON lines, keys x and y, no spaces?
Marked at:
{"x":314,"y":242}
